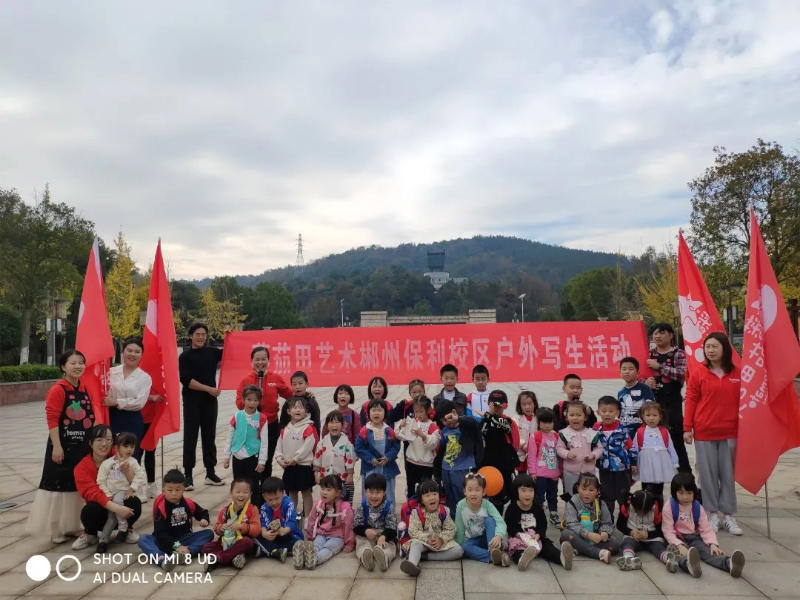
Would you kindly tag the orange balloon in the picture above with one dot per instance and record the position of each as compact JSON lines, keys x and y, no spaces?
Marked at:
{"x":494,"y":480}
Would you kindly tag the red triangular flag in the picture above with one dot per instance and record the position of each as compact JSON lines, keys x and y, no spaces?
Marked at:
{"x":93,"y":337}
{"x":769,"y":413}
{"x":699,"y":315}
{"x":160,"y":358}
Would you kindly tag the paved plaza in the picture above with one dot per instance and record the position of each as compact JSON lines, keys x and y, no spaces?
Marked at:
{"x":773,"y":566}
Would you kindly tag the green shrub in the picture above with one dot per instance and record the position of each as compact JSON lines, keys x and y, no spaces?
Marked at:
{"x":28,"y":373}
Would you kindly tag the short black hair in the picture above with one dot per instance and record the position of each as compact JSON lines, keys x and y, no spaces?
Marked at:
{"x":135,"y":340}
{"x":62,"y":360}
{"x":291,"y":402}
{"x":259,"y":349}
{"x":125,"y":438}
{"x":477,"y":477}
{"x":524,"y":480}
{"x":347,"y":389}
{"x":375,"y":481}
{"x":569,"y":376}
{"x":643,"y":501}
{"x":608,"y":401}
{"x":380,"y":380}
{"x":480,"y":370}
{"x":427,"y":486}
{"x":301,"y":374}
{"x":575,"y":403}
{"x":546,"y":415}
{"x":423,"y":401}
{"x":175,"y":476}
{"x":532,"y":396}
{"x":252,"y":390}
{"x":666,"y":327}
{"x":683,"y":481}
{"x":586,"y":478}
{"x":448,"y":368}
{"x":445,"y":407}
{"x":631,"y":360}
{"x":331,"y":481}
{"x":241,"y":480}
{"x":334,"y":416}
{"x":195,"y":326}
{"x":272,"y":485}
{"x":380,"y":403}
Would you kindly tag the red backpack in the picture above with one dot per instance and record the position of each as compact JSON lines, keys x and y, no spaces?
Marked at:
{"x":411,"y":505}
{"x":640,"y":436}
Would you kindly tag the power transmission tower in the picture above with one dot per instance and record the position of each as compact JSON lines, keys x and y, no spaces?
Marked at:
{"x":300,"y":262}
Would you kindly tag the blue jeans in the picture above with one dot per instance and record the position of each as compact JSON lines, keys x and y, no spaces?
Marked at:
{"x":453,"y":484}
{"x":547,"y":488}
{"x":194,"y":541}
{"x":477,"y":548}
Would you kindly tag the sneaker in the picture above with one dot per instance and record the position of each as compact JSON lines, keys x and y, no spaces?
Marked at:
{"x":368,"y":559}
{"x":143,"y":496}
{"x":239,"y":561}
{"x":505,"y":560}
{"x":282,"y":554}
{"x":736,"y":562}
{"x":496,"y":556}
{"x":167,"y":565}
{"x":629,"y":563}
{"x":84,"y":541}
{"x":59,"y":539}
{"x":671,"y":560}
{"x":693,"y":564}
{"x":713,"y":521}
{"x":567,"y":554}
{"x":605,"y":556}
{"x":526,"y":558}
{"x":102,"y":547}
{"x":310,"y":555}
{"x":212,"y":479}
{"x":209,"y":566}
{"x":410,"y":568}
{"x":154,"y":490}
{"x":189,"y":484}
{"x":298,"y":555}
{"x":132,"y":537}
{"x":730,"y":524}
{"x":554,"y":520}
{"x":122,"y":536}
{"x":380,"y":559}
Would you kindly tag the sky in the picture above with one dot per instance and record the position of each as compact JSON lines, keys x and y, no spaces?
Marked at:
{"x":228,"y":128}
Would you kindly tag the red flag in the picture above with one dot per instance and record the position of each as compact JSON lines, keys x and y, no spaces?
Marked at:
{"x":699,"y":315}
{"x":94,"y":335}
{"x":160,"y":358}
{"x":769,"y":412}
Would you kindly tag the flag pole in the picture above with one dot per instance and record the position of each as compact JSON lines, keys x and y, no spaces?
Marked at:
{"x":766,"y":495}
{"x":162,"y":459}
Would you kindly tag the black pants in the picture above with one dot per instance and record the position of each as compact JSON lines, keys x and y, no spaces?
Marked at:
{"x":245,"y":468}
{"x":614,"y":486}
{"x":200,"y":416}
{"x":414,"y":475}
{"x":674,"y":417}
{"x":149,"y":459}
{"x":549,"y":552}
{"x":507,"y":494}
{"x":657,"y":489}
{"x":273,"y":431}
{"x":93,"y":516}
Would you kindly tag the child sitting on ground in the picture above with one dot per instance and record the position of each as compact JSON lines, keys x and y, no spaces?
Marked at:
{"x":480,"y":529}
{"x":431,"y":531}
{"x":237,"y":524}
{"x":173,"y":516}
{"x":335,"y":455}
{"x":375,"y":526}
{"x":112,"y":479}
{"x":640,"y":523}
{"x":686,"y":525}
{"x":587,"y":521}
{"x":279,"y":529}
{"x":329,"y":529}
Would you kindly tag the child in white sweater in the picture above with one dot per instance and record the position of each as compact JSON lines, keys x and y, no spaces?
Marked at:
{"x":422,"y":436}
{"x":120,"y":477}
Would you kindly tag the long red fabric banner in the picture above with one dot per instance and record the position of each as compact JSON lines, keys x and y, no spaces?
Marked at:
{"x":511,"y":351}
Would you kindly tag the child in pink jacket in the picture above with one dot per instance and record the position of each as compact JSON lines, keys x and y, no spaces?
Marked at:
{"x":543,"y":462}
{"x":578,"y":446}
{"x":685,"y":525}
{"x":329,"y":529}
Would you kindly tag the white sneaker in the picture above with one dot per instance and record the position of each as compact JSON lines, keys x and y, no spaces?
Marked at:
{"x":713,"y":521}
{"x":132,"y":537}
{"x":154,"y":490}
{"x":84,"y":541}
{"x":730,"y":524}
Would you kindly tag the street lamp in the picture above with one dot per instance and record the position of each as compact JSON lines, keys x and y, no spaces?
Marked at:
{"x":676,"y":313}
{"x":55,"y":326}
{"x":522,"y":300}
{"x":142,"y":318}
{"x":730,"y":312}
{"x":341,"y":305}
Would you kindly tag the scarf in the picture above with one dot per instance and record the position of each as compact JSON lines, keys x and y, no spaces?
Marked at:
{"x":231,"y":537}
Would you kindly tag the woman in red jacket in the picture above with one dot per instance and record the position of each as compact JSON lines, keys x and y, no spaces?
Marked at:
{"x":95,"y":512}
{"x":272,"y":385}
{"x":711,"y":419}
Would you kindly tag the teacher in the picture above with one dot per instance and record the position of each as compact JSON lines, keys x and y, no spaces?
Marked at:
{"x":128,"y":393}
{"x":272,"y":385}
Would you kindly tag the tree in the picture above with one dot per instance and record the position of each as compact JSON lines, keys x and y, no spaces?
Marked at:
{"x":40,"y":244}
{"x":123,"y":310}
{"x":764,"y":178}
{"x":271,"y":305}
{"x":219,"y":315}
{"x":660,"y":291}
{"x":589,"y":296}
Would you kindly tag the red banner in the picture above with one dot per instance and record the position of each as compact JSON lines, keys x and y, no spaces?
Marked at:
{"x":511,"y":351}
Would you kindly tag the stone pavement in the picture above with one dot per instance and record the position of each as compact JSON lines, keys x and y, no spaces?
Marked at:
{"x":772,"y":565}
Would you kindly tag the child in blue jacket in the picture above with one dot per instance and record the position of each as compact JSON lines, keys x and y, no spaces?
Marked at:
{"x":377,"y":447}
{"x":279,"y":528}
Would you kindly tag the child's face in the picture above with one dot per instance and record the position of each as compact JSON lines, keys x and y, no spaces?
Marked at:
{"x":430,"y":501}
{"x":526,"y":495}
{"x":240,"y":494}
{"x":573,"y":389}
{"x":608,"y":413}
{"x":587,"y":493}
{"x":274,"y":499}
{"x":299,"y":386}
{"x":376,"y":415}
{"x":377,"y":389}
{"x":496,"y":409}
{"x":481,"y":380}
{"x":576,"y":417}
{"x":342,"y":398}
{"x":420,"y":414}
{"x":260,"y":361}
{"x":173,"y":492}
{"x":684,"y":497}
{"x":628,"y":372}
{"x":335,"y":428}
{"x":375,"y":497}
{"x":125,"y":452}
{"x":526,"y":404}
{"x":545,"y":427}
{"x":651,"y":417}
{"x":449,"y":380}
{"x":251,"y":402}
{"x":329,"y":495}
{"x":474,"y":491}
{"x":416,"y":391}
{"x":298,"y":412}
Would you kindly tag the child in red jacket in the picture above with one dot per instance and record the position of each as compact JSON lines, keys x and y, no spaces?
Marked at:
{"x":237,"y":524}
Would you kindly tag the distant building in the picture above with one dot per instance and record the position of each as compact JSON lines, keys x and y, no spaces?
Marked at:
{"x":436,"y":272}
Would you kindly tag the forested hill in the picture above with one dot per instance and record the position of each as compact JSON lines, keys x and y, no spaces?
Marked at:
{"x":481,"y":258}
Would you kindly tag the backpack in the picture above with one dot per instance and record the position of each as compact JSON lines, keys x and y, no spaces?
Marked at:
{"x":563,"y":525}
{"x":676,"y":514}
{"x":640,"y":436}
{"x":409,"y":506}
{"x":365,"y":507}
{"x":160,"y":505}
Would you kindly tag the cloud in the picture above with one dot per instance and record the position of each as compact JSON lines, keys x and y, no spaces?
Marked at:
{"x":229,"y":128}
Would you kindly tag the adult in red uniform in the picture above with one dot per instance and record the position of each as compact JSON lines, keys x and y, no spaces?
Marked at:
{"x":272,"y":385}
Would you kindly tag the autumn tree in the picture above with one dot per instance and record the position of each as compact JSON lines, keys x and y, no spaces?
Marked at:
{"x":660,"y":291}
{"x":123,"y":310}
{"x":219,"y":315}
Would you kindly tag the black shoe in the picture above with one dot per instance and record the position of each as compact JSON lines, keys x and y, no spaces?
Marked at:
{"x":102,"y":548}
{"x":189,"y":483}
{"x":212,"y":479}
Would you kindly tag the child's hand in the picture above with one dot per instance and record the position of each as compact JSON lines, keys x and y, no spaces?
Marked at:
{"x":683,"y":550}
{"x":603,"y":536}
{"x":589,"y":458}
{"x":291,"y":463}
{"x":224,"y":527}
{"x":570,"y":455}
{"x":269,"y":534}
{"x":203,"y":523}
{"x":371,"y":534}
{"x":182,"y":549}
{"x":418,"y":432}
{"x":524,"y":446}
{"x":436,"y":543}
{"x":401,"y":423}
{"x":284,"y":531}
{"x":634,"y":470}
{"x":383,"y":461}
{"x":349,"y":479}
{"x":382,"y":542}
{"x":716,"y":550}
{"x":639,"y":535}
{"x":496,"y":542}
{"x":593,"y":537}
{"x":259,"y":468}
{"x":374,"y":462}
{"x":226,"y":464}
{"x":128,"y":493}
{"x":317,"y":477}
{"x":282,"y":463}
{"x":347,"y":550}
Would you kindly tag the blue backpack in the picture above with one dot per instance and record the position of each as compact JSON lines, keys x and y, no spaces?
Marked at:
{"x":365,"y":507}
{"x":676,"y":514}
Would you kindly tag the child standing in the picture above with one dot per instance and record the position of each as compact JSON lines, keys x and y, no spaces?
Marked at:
{"x":501,"y":442}
{"x":480,"y":529}
{"x":421,"y":436}
{"x":404,"y":410}
{"x":237,"y":524}
{"x":173,"y":516}
{"x":527,"y":529}
{"x":460,"y":450}
{"x":640,"y":523}
{"x":329,"y":529}
{"x":633,"y":396}
{"x":686,"y":526}
{"x":619,"y":458}
{"x":377,"y":447}
{"x":543,"y":463}
{"x":299,"y":383}
{"x":377,"y":390}
{"x":449,"y":377}
{"x":247,"y":442}
{"x":112,"y":479}
{"x":527,"y":408}
{"x":587,"y":523}
{"x":573,"y":388}
{"x":578,"y":447}
{"x":658,"y":460}
{"x":279,"y":529}
{"x":478,"y":400}
{"x":431,"y":531}
{"x":375,"y":526}
{"x":343,"y":397}
{"x":335,"y":455}
{"x":295,"y":453}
